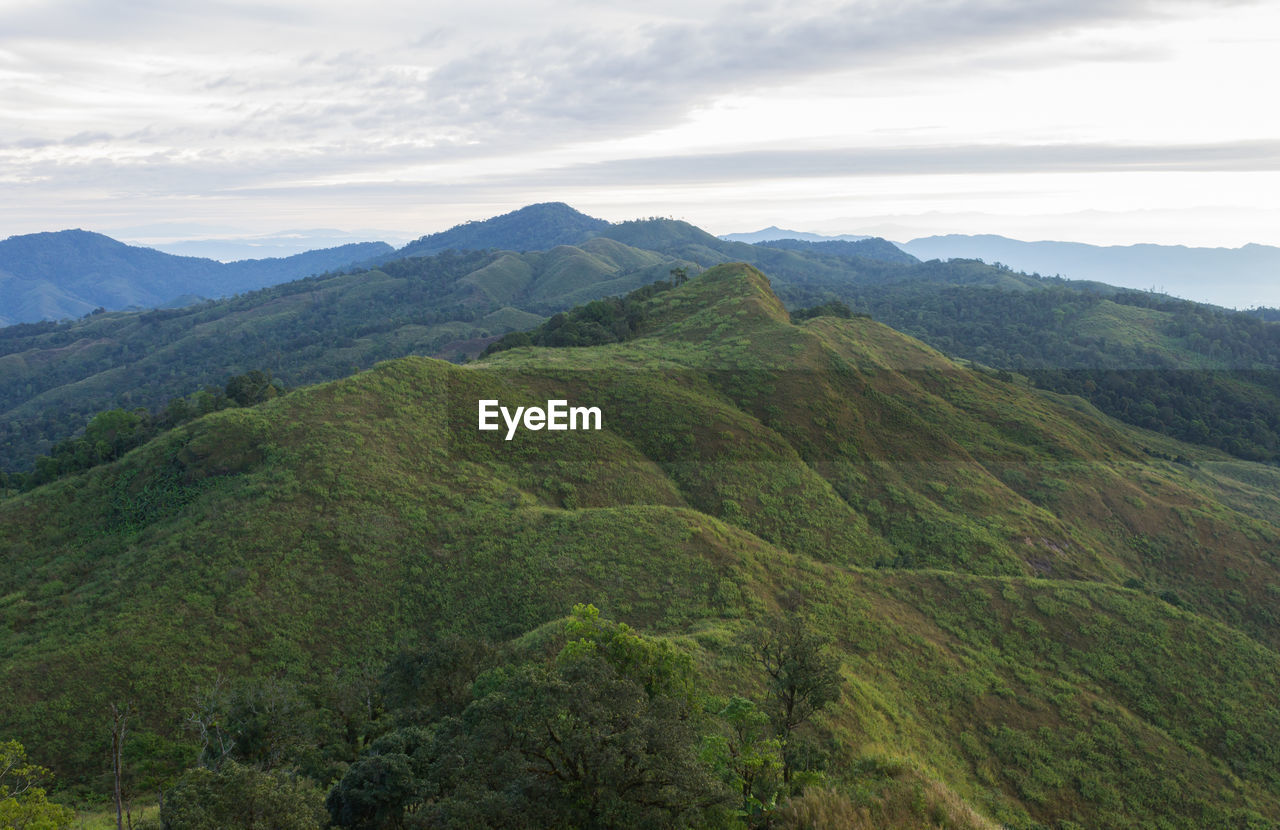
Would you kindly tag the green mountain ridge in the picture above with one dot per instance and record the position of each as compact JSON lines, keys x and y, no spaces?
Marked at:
{"x":966,"y":541}
{"x":1194,"y":372}
{"x":54,"y":377}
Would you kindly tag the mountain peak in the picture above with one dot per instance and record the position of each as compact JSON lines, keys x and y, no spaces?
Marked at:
{"x":74,"y":236}
{"x":533,"y":227}
{"x":773,"y":232}
{"x":735,"y":293}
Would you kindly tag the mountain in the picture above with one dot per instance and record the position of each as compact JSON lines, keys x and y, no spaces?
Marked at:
{"x":531,"y":228}
{"x":53,"y":377}
{"x":1234,"y":277}
{"x":870,"y":248}
{"x":282,"y":244}
{"x":70,"y":273}
{"x":1035,"y":617}
{"x":798,"y":271}
{"x":1192,"y":371}
{"x":773,"y":232}
{"x":50,"y":276}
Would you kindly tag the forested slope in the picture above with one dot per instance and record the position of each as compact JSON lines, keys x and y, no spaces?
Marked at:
{"x":1030,"y":611}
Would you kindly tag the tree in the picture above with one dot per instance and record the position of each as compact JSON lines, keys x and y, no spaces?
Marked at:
{"x":272,"y":724}
{"x":242,"y":797}
{"x":801,"y":675}
{"x":111,"y":434}
{"x":251,"y":388}
{"x":23,"y":802}
{"x":399,"y":773}
{"x":422,"y":686}
{"x":749,"y":754}
{"x":119,"y":724}
{"x":600,"y":750}
{"x":207,"y":718}
{"x":606,"y":733}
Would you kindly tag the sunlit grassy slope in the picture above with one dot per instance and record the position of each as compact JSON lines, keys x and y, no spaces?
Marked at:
{"x":1033,"y":605}
{"x":53,"y":377}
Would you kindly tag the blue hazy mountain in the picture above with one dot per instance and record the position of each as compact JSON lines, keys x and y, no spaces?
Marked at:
{"x":774,"y":232}
{"x":69,"y":273}
{"x":1234,"y":277}
{"x":869,"y":247}
{"x":537,"y":227}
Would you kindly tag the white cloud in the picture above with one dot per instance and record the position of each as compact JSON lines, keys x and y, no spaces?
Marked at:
{"x":207,"y":108}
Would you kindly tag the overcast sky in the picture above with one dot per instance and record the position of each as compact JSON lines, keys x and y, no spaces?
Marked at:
{"x":1106,"y":121}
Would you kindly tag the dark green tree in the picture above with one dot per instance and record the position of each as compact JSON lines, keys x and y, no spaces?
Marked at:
{"x":607,"y":733}
{"x":391,"y":781}
{"x":251,"y":388}
{"x":242,"y":797}
{"x":423,"y":686}
{"x":802,"y":676}
{"x":748,"y":755}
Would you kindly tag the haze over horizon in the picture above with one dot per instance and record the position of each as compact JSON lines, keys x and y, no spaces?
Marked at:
{"x":1105,"y":123}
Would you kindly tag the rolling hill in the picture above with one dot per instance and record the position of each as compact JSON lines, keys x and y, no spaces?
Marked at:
{"x":1034,"y":611}
{"x":1194,"y":372}
{"x":53,"y":377}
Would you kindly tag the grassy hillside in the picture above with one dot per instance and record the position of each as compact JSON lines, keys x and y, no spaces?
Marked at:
{"x":1199,"y":374}
{"x":1196,"y":372}
{"x":54,"y":377}
{"x":1034,"y":611}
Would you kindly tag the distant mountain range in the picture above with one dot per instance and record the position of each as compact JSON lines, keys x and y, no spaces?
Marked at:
{"x":51,"y":276}
{"x":1244,"y":277}
{"x":774,"y":232}
{"x":869,"y":247}
{"x":261,"y":246}
{"x":1110,"y":345}
{"x":67,"y":274}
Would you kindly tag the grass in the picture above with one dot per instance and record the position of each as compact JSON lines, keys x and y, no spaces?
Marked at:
{"x":105,"y":819}
{"x":1040,"y":617}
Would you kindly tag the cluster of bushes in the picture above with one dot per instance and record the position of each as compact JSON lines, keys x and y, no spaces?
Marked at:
{"x":831,"y":308}
{"x":611,"y":320}
{"x":111,"y":434}
{"x":582,"y":723}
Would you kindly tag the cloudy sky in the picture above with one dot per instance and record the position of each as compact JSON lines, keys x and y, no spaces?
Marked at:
{"x":1107,"y":121}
